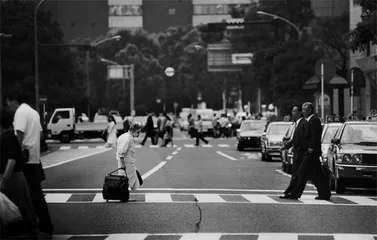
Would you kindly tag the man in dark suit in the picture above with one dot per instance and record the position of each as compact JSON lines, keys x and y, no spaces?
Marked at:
{"x":149,"y":130}
{"x":311,"y":165}
{"x":295,"y":143}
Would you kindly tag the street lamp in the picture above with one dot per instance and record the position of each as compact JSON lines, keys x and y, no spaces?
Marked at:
{"x":36,"y":56}
{"x":283,"y":19}
{"x":94,"y":45}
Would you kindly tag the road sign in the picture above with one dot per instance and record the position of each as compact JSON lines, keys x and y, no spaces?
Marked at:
{"x":169,"y":71}
{"x":242,"y":58}
{"x":117,"y":72}
{"x":43,"y":99}
{"x":329,"y":69}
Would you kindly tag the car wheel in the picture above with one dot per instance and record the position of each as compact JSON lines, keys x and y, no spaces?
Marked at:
{"x":289,"y":169}
{"x":64,"y":137}
{"x":284,"y":167}
{"x":339,"y":186}
{"x":268,"y":157}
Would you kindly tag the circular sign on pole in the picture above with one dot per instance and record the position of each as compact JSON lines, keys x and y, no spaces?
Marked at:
{"x":358,"y":77}
{"x":169,"y":71}
{"x":329,"y":69}
{"x":175,"y":105}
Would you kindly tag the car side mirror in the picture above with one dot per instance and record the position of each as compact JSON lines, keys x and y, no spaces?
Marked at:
{"x":264,"y":134}
{"x":285,"y":139}
{"x":335,"y":141}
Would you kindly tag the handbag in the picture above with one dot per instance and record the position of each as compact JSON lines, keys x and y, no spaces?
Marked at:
{"x":9,"y":212}
{"x":115,"y":187}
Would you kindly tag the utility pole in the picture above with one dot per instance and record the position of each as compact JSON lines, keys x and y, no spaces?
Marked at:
{"x":132,"y":89}
{"x":87,"y":59}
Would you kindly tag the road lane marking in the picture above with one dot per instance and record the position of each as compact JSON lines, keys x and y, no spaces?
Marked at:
{"x":353,"y":237}
{"x":189,"y":145}
{"x":77,"y":158}
{"x":207,"y":145}
{"x":150,"y":197}
{"x":277,"y":236}
{"x":201,"y":236}
{"x":227,"y":156}
{"x":138,"y":146}
{"x":158,"y":197}
{"x":100,"y":147}
{"x":175,"y":152}
{"x":216,"y":236}
{"x":307,"y":199}
{"x":169,"y":157}
{"x":179,"y":149}
{"x":223,"y":145}
{"x":256,"y":198}
{"x":209,"y":198}
{"x":153,"y":170}
{"x":171,"y":189}
{"x":57,"y":198}
{"x":83,"y":147}
{"x":65,"y":147}
{"x":154,"y":146}
{"x":361,"y":200}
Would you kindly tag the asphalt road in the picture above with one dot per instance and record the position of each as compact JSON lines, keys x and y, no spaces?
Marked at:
{"x":207,"y":192}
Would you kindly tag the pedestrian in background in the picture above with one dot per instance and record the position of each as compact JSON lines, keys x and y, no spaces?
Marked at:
{"x":149,"y":130}
{"x":297,"y":148}
{"x":191,"y":126}
{"x":12,"y":180}
{"x":157,"y":133}
{"x":199,"y":135}
{"x":168,"y":137}
{"x":28,"y":130}
{"x":311,"y":165}
{"x":126,"y":156}
{"x":111,"y":130}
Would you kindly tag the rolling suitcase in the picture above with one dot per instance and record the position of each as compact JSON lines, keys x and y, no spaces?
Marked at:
{"x":115,"y":187}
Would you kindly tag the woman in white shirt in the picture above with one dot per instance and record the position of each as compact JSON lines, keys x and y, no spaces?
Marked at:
{"x":111,"y":133}
{"x":125,"y":156}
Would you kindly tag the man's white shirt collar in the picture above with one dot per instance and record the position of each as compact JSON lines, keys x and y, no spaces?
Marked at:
{"x":308,"y":119}
{"x":298,"y":120}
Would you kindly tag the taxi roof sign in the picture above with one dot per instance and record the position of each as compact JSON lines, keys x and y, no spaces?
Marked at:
{"x":372,"y":115}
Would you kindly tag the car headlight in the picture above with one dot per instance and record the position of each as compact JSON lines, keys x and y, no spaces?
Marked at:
{"x":347,"y":158}
{"x":357,"y":158}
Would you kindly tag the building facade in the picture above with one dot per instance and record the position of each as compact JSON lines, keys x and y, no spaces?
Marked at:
{"x":367,"y":62}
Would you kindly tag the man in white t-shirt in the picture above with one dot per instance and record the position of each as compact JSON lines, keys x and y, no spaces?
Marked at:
{"x":28,"y":129}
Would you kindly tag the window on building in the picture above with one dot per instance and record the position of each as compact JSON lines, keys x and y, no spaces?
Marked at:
{"x":125,"y":10}
{"x":171,"y":11}
{"x":211,"y":9}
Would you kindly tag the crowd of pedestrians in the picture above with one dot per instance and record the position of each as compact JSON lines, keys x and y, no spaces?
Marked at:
{"x":21,"y":171}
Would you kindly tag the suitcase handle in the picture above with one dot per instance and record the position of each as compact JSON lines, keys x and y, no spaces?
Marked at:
{"x":110,"y":174}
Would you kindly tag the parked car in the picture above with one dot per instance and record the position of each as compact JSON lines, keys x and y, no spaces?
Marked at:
{"x":249,"y":134}
{"x":328,"y":132}
{"x":352,"y":156}
{"x":287,"y":154}
{"x":272,"y":139}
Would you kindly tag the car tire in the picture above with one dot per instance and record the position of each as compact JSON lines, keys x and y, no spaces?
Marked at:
{"x":289,"y":169}
{"x":64,"y":137}
{"x":284,"y":167}
{"x":339,"y":186}
{"x":268,"y":157}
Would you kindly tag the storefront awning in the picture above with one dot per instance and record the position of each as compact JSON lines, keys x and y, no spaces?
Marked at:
{"x":336,"y":82}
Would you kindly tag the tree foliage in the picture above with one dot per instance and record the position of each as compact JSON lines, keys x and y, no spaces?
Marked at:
{"x":58,"y":71}
{"x":366,"y":30}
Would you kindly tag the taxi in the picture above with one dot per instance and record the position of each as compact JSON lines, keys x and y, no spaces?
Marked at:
{"x":271,"y":140}
{"x":249,"y":134}
{"x":328,"y":132}
{"x":352,"y":156}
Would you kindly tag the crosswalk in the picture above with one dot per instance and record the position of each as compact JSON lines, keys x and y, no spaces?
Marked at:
{"x":219,"y":236}
{"x":211,"y":198}
{"x":149,"y":146}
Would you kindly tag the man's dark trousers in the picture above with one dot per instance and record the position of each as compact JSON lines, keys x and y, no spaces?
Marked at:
{"x":148,"y":134}
{"x":297,"y":160}
{"x":34,"y":175}
{"x":311,"y":169}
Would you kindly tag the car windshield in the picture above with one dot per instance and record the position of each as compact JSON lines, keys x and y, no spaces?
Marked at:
{"x":254,"y":126}
{"x":329,"y":134}
{"x":278,"y":129}
{"x":359,"y":133}
{"x":205,"y":115}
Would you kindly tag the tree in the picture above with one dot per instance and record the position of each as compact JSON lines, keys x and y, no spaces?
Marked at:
{"x":59,"y":77}
{"x":365,"y":31}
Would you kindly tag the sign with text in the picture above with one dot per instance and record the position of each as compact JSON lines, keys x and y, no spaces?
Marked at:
{"x":117,"y":72}
{"x":242,"y":58}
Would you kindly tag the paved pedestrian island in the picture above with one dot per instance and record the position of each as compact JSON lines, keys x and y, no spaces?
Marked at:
{"x":220,"y":236}
{"x":210,"y":198}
